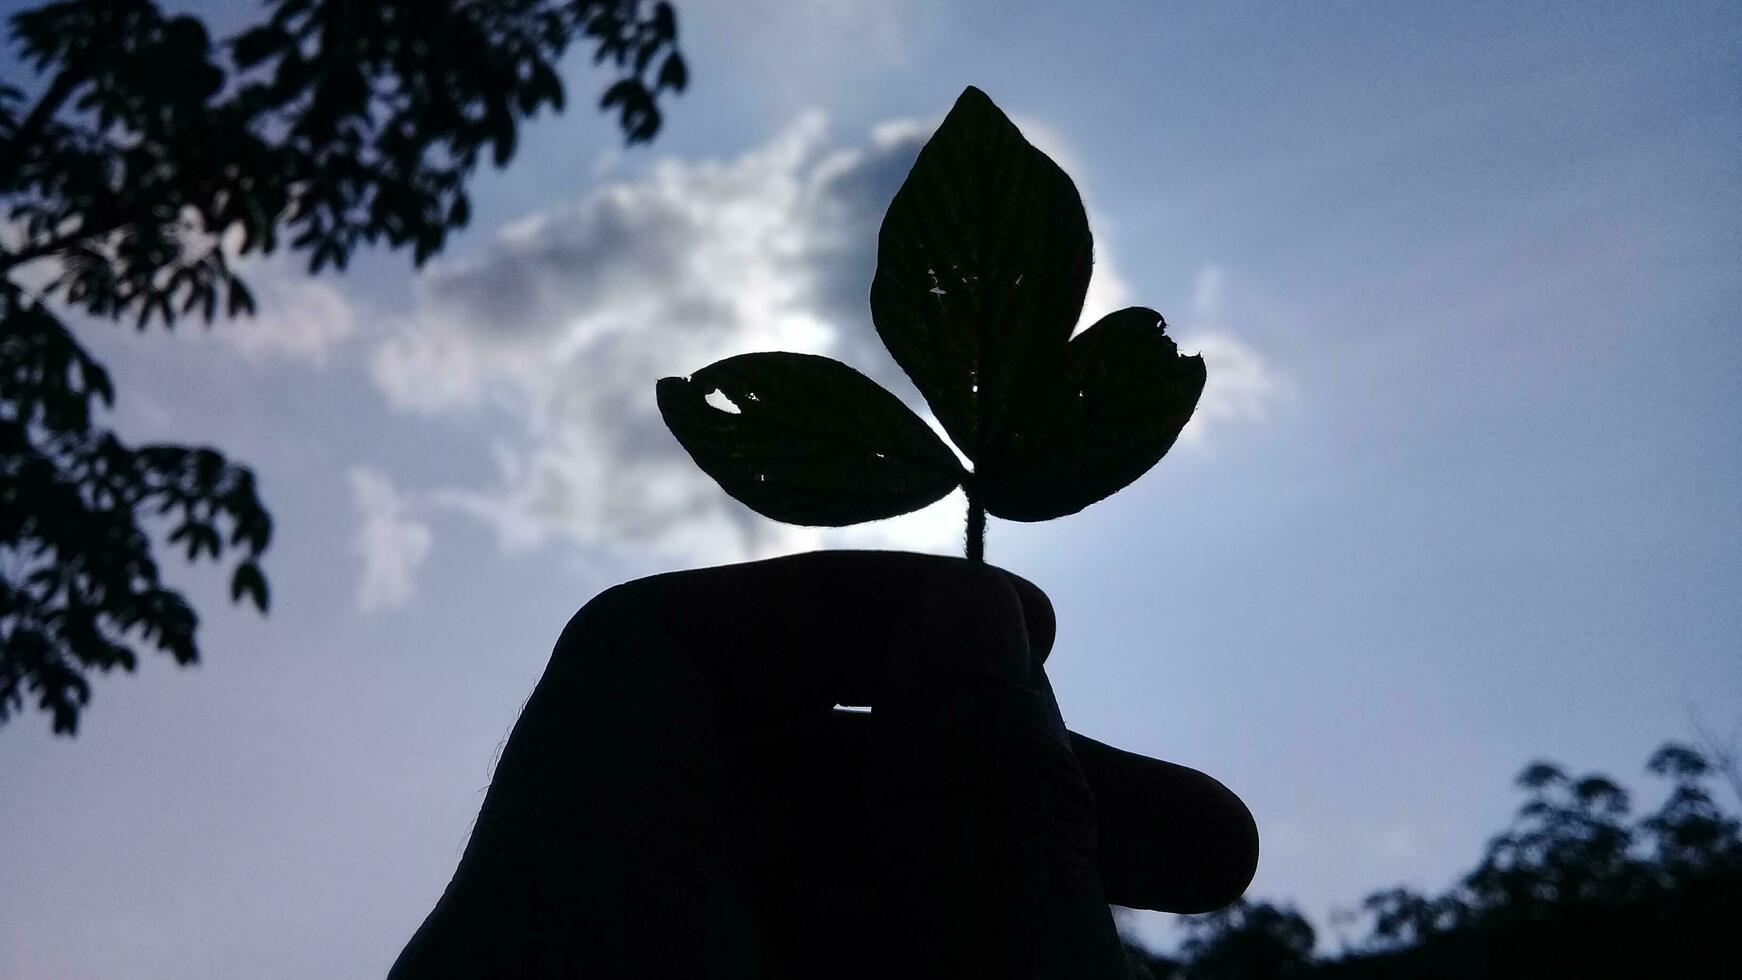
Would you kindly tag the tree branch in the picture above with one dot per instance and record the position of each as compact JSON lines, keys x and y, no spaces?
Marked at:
{"x":59,"y":243}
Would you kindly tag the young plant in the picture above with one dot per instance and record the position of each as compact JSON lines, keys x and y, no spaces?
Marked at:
{"x":982,"y":264}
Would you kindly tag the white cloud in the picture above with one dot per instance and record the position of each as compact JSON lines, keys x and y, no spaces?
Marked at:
{"x":296,"y":317}
{"x":1241,"y":386}
{"x":563,"y":324}
{"x":390,"y":545}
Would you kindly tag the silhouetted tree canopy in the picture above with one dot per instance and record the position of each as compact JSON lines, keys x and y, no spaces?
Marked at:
{"x":1249,"y":939}
{"x":147,"y":160}
{"x":1573,"y":888}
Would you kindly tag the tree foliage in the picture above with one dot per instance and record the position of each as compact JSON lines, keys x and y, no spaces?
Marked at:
{"x":1575,"y":886}
{"x":148,"y":160}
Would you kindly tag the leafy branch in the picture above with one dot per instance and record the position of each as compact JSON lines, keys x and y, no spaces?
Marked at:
{"x":149,"y":159}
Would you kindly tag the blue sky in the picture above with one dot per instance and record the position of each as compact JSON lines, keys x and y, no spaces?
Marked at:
{"x":1461,"y":493}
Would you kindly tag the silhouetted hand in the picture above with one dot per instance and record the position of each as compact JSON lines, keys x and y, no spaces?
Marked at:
{"x":680,"y":797}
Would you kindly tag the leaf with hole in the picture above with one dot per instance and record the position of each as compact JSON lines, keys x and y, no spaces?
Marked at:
{"x":807,"y":440}
{"x":1116,"y":408}
{"x":982,"y":264}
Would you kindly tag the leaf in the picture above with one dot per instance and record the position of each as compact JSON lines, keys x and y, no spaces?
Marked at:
{"x":499,"y":119}
{"x":673,"y":73}
{"x":240,"y":300}
{"x":644,"y":54}
{"x":982,"y":263}
{"x":807,"y":440}
{"x":257,"y":44}
{"x":248,"y":580}
{"x":664,"y":21}
{"x":619,"y":91}
{"x":97,"y":381}
{"x":460,"y":211}
{"x":548,"y":84}
{"x":1123,"y":396}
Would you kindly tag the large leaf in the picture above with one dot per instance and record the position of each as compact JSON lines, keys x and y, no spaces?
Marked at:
{"x":1116,"y":407}
{"x":807,"y":440}
{"x":982,"y":263}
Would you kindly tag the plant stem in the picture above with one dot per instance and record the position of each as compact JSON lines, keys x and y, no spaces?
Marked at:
{"x":976,"y":544}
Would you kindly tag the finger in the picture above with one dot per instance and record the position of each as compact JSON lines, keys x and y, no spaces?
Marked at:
{"x":1171,"y":838}
{"x":983,"y":828}
{"x":805,"y":631}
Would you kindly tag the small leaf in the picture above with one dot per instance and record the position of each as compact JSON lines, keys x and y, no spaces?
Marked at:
{"x":807,"y":440}
{"x":620,"y":91}
{"x":644,"y":54}
{"x":673,"y":73}
{"x":1123,"y":396}
{"x":982,"y":263}
{"x":248,"y":580}
{"x":548,"y":84}
{"x":97,"y":382}
{"x":500,"y":121}
{"x":257,"y":44}
{"x":664,"y":21}
{"x":241,"y":300}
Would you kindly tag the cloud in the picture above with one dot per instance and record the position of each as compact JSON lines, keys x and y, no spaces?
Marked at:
{"x":1242,"y":387}
{"x":297,"y":317}
{"x":562,"y":324}
{"x":390,"y":545}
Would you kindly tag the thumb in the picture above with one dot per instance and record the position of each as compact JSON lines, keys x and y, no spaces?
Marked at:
{"x":985,"y":830}
{"x":964,"y":635}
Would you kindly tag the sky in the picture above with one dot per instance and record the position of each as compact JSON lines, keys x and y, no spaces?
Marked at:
{"x":1460,"y":493}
